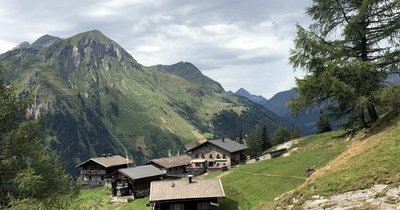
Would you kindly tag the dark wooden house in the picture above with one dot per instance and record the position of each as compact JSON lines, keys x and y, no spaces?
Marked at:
{"x":216,"y":155}
{"x":95,"y":170}
{"x":174,"y":166}
{"x":135,"y":181}
{"x":186,"y":194}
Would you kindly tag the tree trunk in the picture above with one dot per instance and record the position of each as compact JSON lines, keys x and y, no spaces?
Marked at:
{"x":372,"y":113}
{"x":362,"y":117}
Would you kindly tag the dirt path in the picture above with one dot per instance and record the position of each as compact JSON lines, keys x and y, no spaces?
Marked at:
{"x":223,"y":174}
{"x":274,"y":175}
{"x":356,"y":148}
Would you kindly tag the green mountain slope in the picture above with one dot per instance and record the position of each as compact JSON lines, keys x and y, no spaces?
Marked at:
{"x":87,"y":89}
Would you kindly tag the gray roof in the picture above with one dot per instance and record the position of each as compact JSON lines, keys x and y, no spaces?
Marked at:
{"x":226,"y":144}
{"x":109,"y":161}
{"x":140,"y":172}
{"x":182,"y":189}
{"x":173,"y":161}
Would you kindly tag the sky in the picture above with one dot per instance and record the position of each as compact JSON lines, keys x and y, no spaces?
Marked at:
{"x":238,"y":43}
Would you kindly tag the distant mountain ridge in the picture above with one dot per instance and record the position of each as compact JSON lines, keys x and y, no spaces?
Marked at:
{"x":92,"y":94}
{"x":305,"y":121}
{"x":256,"y":99}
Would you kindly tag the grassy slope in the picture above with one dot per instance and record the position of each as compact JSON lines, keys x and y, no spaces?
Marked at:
{"x":248,"y":186}
{"x":99,"y":198}
{"x":371,"y":159}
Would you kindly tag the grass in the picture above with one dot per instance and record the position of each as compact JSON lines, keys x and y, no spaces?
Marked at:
{"x":251,"y":185}
{"x":100,"y":199}
{"x":372,"y":158}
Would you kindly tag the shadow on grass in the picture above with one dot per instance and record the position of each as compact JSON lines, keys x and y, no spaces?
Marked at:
{"x":228,"y":204}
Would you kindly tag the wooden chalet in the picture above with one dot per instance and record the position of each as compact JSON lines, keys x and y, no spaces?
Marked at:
{"x":135,"y":181}
{"x":95,"y":170}
{"x":186,"y":194}
{"x":216,"y":155}
{"x":174,"y":166}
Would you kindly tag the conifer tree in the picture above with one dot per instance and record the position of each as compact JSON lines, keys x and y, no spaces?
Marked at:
{"x":266,"y":141}
{"x":347,"y":53}
{"x":323,"y":124}
{"x":30,"y":176}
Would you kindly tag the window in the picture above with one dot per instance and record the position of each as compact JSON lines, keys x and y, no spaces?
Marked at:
{"x":210,"y":156}
{"x":224,"y":156}
{"x":218,"y":157}
{"x":196,"y":156}
{"x":202,"y":156}
{"x":90,"y":178}
{"x":176,"y":206}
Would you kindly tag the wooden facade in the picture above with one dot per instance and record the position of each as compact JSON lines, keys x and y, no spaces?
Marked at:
{"x":188,"y":204}
{"x":174,"y":166}
{"x":135,"y":181}
{"x":211,"y":157}
{"x":186,"y":194}
{"x":95,"y":171}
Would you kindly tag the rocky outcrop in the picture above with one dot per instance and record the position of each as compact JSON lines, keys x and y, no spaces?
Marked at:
{"x":379,"y":196}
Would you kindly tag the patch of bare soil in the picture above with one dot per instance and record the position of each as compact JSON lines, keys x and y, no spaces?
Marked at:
{"x":359,"y":145}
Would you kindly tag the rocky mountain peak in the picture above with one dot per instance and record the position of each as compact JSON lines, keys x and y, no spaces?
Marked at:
{"x":96,"y":45}
{"x":242,"y":92}
{"x":91,"y":49}
{"x":23,"y":45}
{"x":45,"y":41}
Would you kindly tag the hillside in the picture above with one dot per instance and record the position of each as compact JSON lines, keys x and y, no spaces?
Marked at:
{"x":371,"y":159}
{"x":88,"y":89}
{"x":342,"y":161}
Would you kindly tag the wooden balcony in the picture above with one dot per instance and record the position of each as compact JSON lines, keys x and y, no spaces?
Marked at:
{"x":93,"y":172}
{"x":93,"y":183}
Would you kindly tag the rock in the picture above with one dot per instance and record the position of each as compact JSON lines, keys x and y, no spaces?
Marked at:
{"x":374,"y":201}
{"x":379,"y":188}
{"x":359,"y":196}
{"x":358,"y":199}
{"x":316,"y":203}
{"x":393,"y":192}
{"x":386,"y":206}
{"x":315,"y":197}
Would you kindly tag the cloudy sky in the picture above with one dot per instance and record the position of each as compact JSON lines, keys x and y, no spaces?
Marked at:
{"x":239,"y":43}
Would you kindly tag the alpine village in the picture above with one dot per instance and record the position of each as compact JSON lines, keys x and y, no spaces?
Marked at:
{"x":84,"y":125}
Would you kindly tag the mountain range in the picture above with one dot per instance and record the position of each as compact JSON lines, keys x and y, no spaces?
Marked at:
{"x":305,"y":121}
{"x":95,"y":98}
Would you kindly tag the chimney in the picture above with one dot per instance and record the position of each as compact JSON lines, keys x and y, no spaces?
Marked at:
{"x":104,"y":155}
{"x":190,"y":178}
{"x":223,"y":139}
{"x":109,"y":155}
{"x":173,"y":184}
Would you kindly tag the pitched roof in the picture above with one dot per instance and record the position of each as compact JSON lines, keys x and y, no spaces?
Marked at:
{"x":226,"y":144}
{"x":173,"y":161}
{"x":109,"y":161}
{"x":182,"y":189}
{"x":140,"y":172}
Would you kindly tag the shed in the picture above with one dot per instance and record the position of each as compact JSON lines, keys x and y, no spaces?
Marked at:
{"x":135,"y":180}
